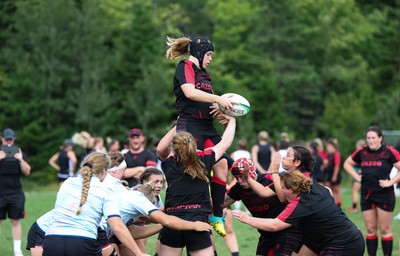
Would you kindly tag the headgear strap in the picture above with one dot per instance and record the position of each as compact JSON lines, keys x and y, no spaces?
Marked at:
{"x":120,"y":166}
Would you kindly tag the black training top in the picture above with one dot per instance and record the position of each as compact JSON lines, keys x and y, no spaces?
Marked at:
{"x":258,"y":206}
{"x":184,"y":194}
{"x":375,"y":165}
{"x":10,"y":176}
{"x":264,"y":155}
{"x":144,"y":158}
{"x":188,"y":72}
{"x":320,"y":220}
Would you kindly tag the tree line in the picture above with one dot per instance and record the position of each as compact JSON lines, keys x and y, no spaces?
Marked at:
{"x":310,"y":68}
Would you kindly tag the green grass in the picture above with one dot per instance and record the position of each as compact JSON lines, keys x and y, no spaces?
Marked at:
{"x":43,"y":198}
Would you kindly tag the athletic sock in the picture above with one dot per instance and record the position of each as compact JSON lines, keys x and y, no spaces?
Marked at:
{"x":218,"y":189}
{"x":387,"y":245}
{"x":235,"y":254}
{"x":17,"y":247}
{"x":372,"y":244}
{"x":354,"y":205}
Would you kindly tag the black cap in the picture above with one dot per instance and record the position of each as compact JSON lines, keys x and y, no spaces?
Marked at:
{"x":8,"y":134}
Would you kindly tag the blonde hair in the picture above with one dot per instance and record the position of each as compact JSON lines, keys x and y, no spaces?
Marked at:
{"x":146,"y":190}
{"x":116,"y":158}
{"x":296,"y":181}
{"x":95,"y":163}
{"x":185,"y":149}
{"x":263,"y":135}
{"x":177,"y":47}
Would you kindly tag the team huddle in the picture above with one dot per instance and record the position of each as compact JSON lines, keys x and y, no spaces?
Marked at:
{"x":96,"y":213}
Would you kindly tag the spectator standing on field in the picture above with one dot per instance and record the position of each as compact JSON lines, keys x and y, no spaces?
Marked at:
{"x":137,"y":157}
{"x":12,"y":197}
{"x":261,"y":153}
{"x":64,"y":161}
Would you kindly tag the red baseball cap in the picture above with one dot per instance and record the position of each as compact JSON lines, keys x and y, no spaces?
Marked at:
{"x":135,"y":132}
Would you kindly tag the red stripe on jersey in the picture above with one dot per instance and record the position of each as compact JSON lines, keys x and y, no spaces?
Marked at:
{"x":189,"y":72}
{"x":151,"y":163}
{"x":289,"y":209}
{"x":394,"y":152}
{"x":355,"y":152}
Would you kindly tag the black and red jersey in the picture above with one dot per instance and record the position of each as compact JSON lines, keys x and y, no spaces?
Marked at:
{"x":188,"y":72}
{"x":144,"y":158}
{"x":258,"y":206}
{"x":375,"y":165}
{"x":184,"y":194}
{"x":320,"y":220}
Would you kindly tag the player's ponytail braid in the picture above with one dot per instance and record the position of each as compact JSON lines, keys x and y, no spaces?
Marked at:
{"x":185,"y":149}
{"x":96,"y":163}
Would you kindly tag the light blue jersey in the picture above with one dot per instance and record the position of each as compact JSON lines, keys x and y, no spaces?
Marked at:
{"x":99,"y":203}
{"x":131,"y":204}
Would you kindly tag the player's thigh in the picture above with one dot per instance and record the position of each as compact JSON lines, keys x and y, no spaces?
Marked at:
{"x":371,"y":220}
{"x":166,"y":250}
{"x":202,"y":252}
{"x":384,"y":220}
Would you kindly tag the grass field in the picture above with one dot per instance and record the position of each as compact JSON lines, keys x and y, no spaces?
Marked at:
{"x":37,"y":203}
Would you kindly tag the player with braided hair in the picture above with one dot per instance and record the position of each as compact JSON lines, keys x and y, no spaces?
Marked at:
{"x":81,"y":202}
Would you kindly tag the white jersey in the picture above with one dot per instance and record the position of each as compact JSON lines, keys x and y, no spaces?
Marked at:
{"x":240,"y":154}
{"x":44,"y":221}
{"x":282,"y":153}
{"x":131,"y":204}
{"x":99,"y":203}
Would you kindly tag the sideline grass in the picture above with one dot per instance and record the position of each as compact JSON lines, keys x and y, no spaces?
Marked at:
{"x":38,"y":203}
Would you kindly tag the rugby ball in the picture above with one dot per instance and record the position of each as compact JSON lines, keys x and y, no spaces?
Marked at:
{"x":240,"y":109}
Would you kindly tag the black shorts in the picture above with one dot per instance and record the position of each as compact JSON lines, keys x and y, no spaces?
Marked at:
{"x":70,"y":246}
{"x":355,"y":247}
{"x":327,"y":177}
{"x":102,"y":239}
{"x":193,"y":240}
{"x":35,"y":236}
{"x":281,"y":243}
{"x":202,"y":130}
{"x":12,"y":206}
{"x":384,"y":199}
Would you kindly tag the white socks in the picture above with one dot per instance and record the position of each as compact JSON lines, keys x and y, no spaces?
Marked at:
{"x":17,"y":248}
